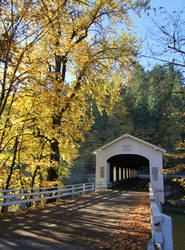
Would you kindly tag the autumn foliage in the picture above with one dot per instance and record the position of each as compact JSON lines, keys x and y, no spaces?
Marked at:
{"x":135,"y":230}
{"x":56,"y":59}
{"x":179,"y":156}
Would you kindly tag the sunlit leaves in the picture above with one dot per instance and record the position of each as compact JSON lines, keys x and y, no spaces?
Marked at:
{"x":61,"y":57}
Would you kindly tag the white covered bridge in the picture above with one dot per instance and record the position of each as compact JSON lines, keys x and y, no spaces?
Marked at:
{"x":123,"y":157}
{"x":117,"y":161}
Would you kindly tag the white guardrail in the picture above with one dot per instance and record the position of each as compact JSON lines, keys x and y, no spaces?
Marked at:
{"x":161,"y":226}
{"x":19,"y":196}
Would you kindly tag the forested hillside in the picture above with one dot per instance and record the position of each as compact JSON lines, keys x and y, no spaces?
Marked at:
{"x":151,"y":108}
{"x":56,"y":58}
{"x":68,"y":81}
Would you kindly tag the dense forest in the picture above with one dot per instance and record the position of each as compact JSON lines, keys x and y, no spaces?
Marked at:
{"x":68,"y":84}
{"x":151,"y":107}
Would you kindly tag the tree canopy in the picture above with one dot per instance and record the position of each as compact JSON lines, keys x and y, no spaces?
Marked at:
{"x":150,"y":108}
{"x":56,"y":58}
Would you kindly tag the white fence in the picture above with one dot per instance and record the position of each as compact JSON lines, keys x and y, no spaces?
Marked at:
{"x":161,"y":226}
{"x":19,"y":196}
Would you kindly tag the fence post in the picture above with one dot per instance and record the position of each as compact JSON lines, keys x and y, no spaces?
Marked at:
{"x":73,"y":191}
{"x":161,"y":226}
{"x":167,"y":232}
{"x":5,"y":208}
{"x":83,"y":188}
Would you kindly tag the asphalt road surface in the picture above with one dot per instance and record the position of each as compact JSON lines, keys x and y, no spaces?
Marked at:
{"x":82,"y":223}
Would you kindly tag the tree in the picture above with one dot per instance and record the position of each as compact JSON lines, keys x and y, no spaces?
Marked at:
{"x":79,"y":60}
{"x":149,"y":108}
{"x":19,"y":33}
{"x":166,"y":42}
{"x":61,"y":56}
{"x":169,"y":39}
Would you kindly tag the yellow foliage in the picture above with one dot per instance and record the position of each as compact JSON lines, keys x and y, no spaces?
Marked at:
{"x":51,"y":183}
{"x":179,"y":154}
{"x":63,"y":56}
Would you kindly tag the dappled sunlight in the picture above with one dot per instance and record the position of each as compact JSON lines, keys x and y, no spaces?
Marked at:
{"x":134,"y":230}
{"x":91,"y":221}
{"x":7,"y":242}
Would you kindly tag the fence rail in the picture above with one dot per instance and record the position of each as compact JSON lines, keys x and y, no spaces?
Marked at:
{"x":161,"y":226}
{"x":19,"y":196}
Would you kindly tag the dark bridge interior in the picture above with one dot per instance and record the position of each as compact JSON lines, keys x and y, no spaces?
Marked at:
{"x":124,"y":170}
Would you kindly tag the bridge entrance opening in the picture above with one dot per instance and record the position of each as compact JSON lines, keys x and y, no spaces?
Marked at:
{"x":121,"y":160}
{"x":126,"y":169}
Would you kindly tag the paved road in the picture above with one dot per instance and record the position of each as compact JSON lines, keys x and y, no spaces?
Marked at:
{"x":73,"y":225}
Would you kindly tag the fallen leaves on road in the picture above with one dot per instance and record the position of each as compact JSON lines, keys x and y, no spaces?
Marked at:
{"x":134,"y":231}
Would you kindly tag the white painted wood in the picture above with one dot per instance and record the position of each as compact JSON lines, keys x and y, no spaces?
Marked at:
{"x":108,"y":172}
{"x":128,"y":144}
{"x":83,"y":188}
{"x":161,"y":225}
{"x":119,"y":173}
{"x":133,"y":138}
{"x":57,"y":193}
{"x":40,"y":188}
{"x":127,"y":173}
{"x":42,"y":193}
{"x":167,"y":232}
{"x":27,"y":189}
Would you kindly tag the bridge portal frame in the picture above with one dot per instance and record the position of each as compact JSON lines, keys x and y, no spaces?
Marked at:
{"x":128,"y":144}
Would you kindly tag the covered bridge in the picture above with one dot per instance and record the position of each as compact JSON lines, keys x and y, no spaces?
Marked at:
{"x":123,"y":157}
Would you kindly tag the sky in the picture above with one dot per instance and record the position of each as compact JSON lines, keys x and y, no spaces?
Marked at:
{"x":143,"y":23}
{"x":145,"y":29}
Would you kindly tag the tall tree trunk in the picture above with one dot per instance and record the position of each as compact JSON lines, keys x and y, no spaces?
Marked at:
{"x":28,"y":204}
{"x":55,"y":153}
{"x":5,"y":208}
{"x":54,"y":159}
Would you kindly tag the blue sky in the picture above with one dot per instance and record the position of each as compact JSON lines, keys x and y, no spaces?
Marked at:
{"x":168,"y":4}
{"x":144,"y":27}
{"x":143,"y":23}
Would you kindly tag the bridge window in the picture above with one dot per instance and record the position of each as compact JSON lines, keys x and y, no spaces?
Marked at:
{"x":102,"y":171}
{"x":155,"y":173}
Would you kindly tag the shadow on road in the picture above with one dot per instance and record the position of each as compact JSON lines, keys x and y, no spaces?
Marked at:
{"x":82,"y":222}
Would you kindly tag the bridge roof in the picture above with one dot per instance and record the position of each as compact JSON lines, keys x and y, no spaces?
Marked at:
{"x":133,"y":138}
